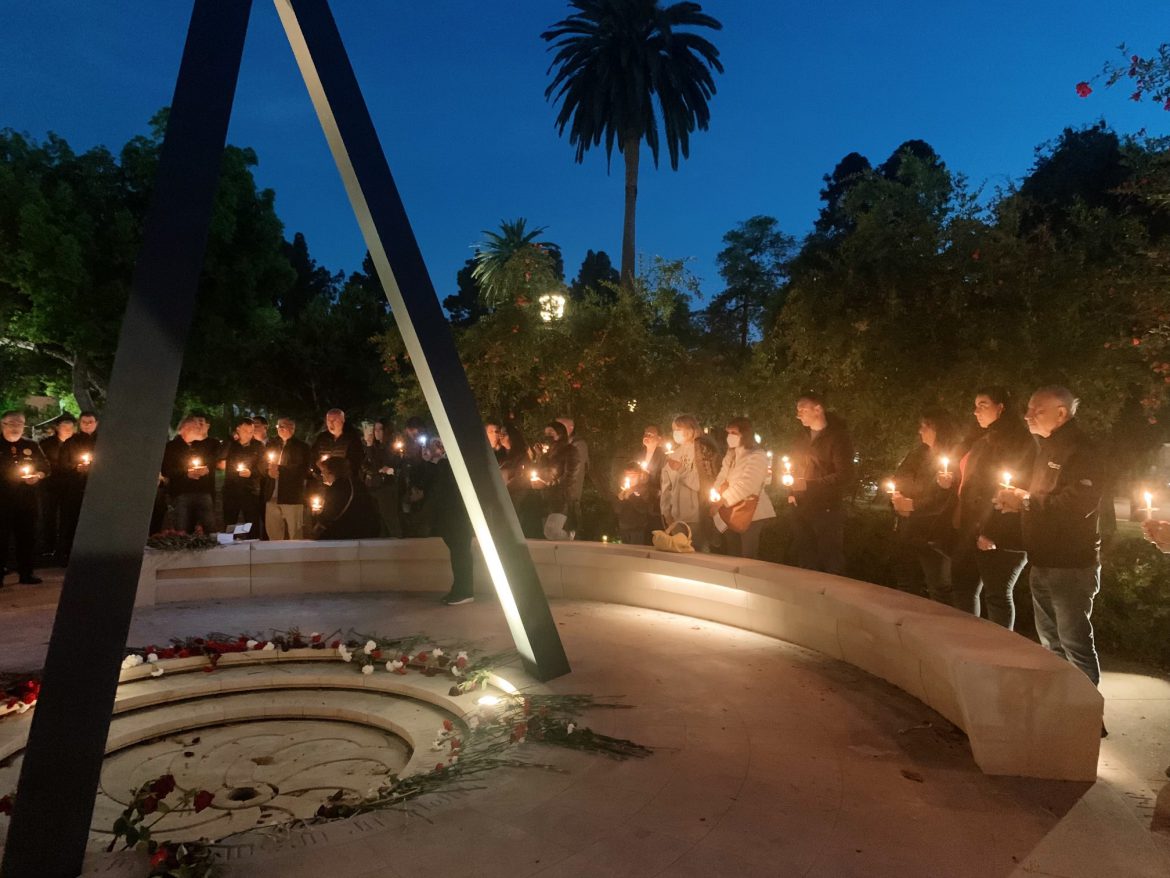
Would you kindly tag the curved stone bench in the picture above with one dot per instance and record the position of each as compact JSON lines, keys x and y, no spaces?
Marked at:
{"x":1025,"y":711}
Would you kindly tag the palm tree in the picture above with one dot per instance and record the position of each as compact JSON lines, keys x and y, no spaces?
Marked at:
{"x":619,"y":65}
{"x":495,"y":254}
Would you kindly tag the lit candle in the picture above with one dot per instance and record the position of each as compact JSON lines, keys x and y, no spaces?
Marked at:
{"x":324,"y":457}
{"x":315,"y":504}
{"x":669,"y":447}
{"x":714,"y":495}
{"x":398,"y":446}
{"x":769,"y":455}
{"x":534,"y":476}
{"x":240,"y":468}
{"x":272,"y":457}
{"x":1149,"y":498}
{"x":626,"y":483}
{"x":787,"y":480}
{"x":891,"y":487}
{"x":1007,"y":479}
{"x":605,"y":538}
{"x":196,"y":463}
{"x":787,"y":463}
{"x":26,"y":471}
{"x":946,"y":463}
{"x":86,"y":459}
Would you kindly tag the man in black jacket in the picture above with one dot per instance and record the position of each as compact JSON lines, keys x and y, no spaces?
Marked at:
{"x":186,"y":467}
{"x":338,"y":440}
{"x":53,"y":487}
{"x":823,"y":462}
{"x":73,"y":461}
{"x":243,"y":464}
{"x":288,"y":467}
{"x":22,"y":466}
{"x":1060,"y":527}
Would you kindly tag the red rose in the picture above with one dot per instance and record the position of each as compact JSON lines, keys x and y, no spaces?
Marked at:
{"x":335,"y":644}
{"x":184,"y":653}
{"x":259,"y":646}
{"x":377,"y":653}
{"x":149,"y":805}
{"x":6,"y":803}
{"x":29,"y":697}
{"x":461,"y":662}
{"x":448,"y":725}
{"x":456,"y":744}
{"x":316,"y":638}
{"x":164,"y":786}
{"x":1083,"y":90}
{"x":203,"y":800}
{"x":439,"y":766}
{"x":421,"y":657}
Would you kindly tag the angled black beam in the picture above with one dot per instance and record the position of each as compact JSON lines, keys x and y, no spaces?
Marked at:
{"x":332,"y":85}
{"x":62,"y":763}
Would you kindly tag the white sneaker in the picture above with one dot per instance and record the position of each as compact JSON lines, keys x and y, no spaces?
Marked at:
{"x":455,"y":602}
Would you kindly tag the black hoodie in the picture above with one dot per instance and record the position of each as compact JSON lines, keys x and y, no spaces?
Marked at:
{"x":1060,"y":524}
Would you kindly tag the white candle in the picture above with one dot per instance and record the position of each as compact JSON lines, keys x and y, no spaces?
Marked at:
{"x":626,"y":483}
{"x":272,"y":457}
{"x":240,"y":468}
{"x":25,"y":471}
{"x":945,"y":465}
{"x":715,"y":497}
{"x":1149,"y":498}
{"x":196,"y":463}
{"x":86,"y":458}
{"x":787,"y":480}
{"x":891,"y":487}
{"x":669,"y":447}
{"x":1007,"y":479}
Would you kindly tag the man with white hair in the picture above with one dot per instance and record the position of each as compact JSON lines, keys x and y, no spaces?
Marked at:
{"x":22,"y":466}
{"x":339,"y":440}
{"x":1058,"y":511}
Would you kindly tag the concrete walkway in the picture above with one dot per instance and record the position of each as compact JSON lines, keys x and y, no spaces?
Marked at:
{"x":772,"y":761}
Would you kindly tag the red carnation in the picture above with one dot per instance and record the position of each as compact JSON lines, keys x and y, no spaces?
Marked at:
{"x":421,"y":657}
{"x":161,"y":856}
{"x":448,"y":725}
{"x":1083,"y":90}
{"x":6,"y":803}
{"x":184,"y":653}
{"x":461,"y":662}
{"x":316,"y":638}
{"x":203,"y":800}
{"x":335,"y":644}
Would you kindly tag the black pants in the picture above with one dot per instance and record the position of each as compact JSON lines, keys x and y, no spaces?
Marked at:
{"x":194,"y":511}
{"x":242,"y":506}
{"x":986,"y":580}
{"x":459,"y":546}
{"x":746,"y":544}
{"x":820,"y":538}
{"x":924,"y":569}
{"x":70,"y":515}
{"x":18,"y":523}
{"x":52,"y":494}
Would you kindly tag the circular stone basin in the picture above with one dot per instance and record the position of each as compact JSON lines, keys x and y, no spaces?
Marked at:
{"x":261,"y":772}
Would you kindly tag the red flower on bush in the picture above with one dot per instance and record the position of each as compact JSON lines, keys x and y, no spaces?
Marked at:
{"x":203,"y":800}
{"x":1083,"y":90}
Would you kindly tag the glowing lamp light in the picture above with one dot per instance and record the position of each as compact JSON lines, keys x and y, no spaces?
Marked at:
{"x":489,"y":700}
{"x":552,"y":307}
{"x":315,"y":503}
{"x":422,"y":439}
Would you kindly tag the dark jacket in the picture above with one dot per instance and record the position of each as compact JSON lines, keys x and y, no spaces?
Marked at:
{"x":13,"y":457}
{"x":554,"y":469}
{"x":292,"y":470}
{"x":70,"y":460}
{"x":1061,"y":525}
{"x":917,"y":479}
{"x":445,"y":503}
{"x":348,"y":512}
{"x":826,"y":463}
{"x":250,"y":456}
{"x":51,"y":449}
{"x":348,"y":445}
{"x":177,"y":460}
{"x":1005,"y":446}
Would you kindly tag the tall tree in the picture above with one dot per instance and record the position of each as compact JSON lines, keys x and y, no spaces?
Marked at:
{"x":752,"y":263}
{"x":596,"y":271}
{"x":466,"y":306}
{"x":512,"y":262}
{"x":621,"y":64}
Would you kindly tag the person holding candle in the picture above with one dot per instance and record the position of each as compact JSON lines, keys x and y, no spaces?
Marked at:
{"x":347,"y":510}
{"x":575,"y":477}
{"x":922,"y":506}
{"x":53,"y":487}
{"x":742,"y":478}
{"x":549,"y":479}
{"x":338,"y":439}
{"x":823,"y":477}
{"x":244,"y":466}
{"x":74,"y":461}
{"x":636,"y":504}
{"x":686,"y":479}
{"x":22,"y":467}
{"x":987,"y":549}
{"x":186,"y":469}
{"x":1157,"y":531}
{"x":287,"y":462}
{"x":1059,"y":512}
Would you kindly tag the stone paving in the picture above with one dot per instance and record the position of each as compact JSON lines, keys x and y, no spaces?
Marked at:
{"x":771,"y":761}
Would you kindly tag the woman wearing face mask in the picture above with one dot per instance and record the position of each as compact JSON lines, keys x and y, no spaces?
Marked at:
{"x":988,"y":553}
{"x":548,"y":479}
{"x":681,"y":489}
{"x":744,"y":475}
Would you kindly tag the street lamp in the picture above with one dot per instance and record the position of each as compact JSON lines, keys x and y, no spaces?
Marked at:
{"x":552,"y":307}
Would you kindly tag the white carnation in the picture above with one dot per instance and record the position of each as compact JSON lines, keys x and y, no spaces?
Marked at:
{"x":370,"y":646}
{"x":268,"y":647}
{"x":252,"y":644}
{"x":367,"y":669}
{"x":436,"y":652}
{"x":156,"y":671}
{"x":152,"y":658}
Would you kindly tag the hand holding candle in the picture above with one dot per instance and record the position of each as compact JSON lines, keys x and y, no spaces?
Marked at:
{"x":26,"y":471}
{"x":315,"y":503}
{"x":86,"y":459}
{"x":1007,"y":479}
{"x":1149,"y":507}
{"x":946,"y":465}
{"x":891,"y":487}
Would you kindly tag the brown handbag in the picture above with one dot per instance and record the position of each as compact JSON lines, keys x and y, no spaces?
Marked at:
{"x":739,"y":517}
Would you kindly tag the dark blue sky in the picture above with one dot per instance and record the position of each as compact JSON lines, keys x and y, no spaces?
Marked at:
{"x":456,"y":90}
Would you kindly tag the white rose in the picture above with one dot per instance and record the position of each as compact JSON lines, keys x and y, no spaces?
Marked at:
{"x":370,"y":646}
{"x":436,"y":652}
{"x":462,"y":655}
{"x":345,"y":654}
{"x":131,"y":661}
{"x":252,"y":644}
{"x":438,"y":744}
{"x":473,"y":722}
{"x":569,"y":728}
{"x":367,"y":669}
{"x":152,"y":658}
{"x":268,"y":647}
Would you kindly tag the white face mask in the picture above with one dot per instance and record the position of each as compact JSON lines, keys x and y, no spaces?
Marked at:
{"x":733,"y":440}
{"x":678,"y":436}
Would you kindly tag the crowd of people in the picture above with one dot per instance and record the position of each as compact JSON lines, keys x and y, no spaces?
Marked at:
{"x":971,"y":508}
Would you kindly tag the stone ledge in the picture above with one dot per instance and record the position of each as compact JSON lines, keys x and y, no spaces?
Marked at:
{"x":1025,"y":711}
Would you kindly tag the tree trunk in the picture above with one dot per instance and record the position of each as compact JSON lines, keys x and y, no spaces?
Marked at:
{"x":81,"y":383}
{"x":631,"y":149}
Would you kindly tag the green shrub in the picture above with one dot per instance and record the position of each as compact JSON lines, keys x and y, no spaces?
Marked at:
{"x":1132,"y":614}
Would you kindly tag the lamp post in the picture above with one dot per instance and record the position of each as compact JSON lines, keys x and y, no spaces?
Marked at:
{"x":552,"y":307}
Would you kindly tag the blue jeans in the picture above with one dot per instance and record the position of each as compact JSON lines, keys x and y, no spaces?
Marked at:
{"x":1063,"y":600}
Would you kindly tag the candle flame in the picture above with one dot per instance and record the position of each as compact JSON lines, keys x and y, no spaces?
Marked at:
{"x":1007,"y":479}
{"x":891,"y":487}
{"x":715,"y":497}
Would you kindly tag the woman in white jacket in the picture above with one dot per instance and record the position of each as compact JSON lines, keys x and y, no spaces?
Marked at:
{"x":744,"y":475}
